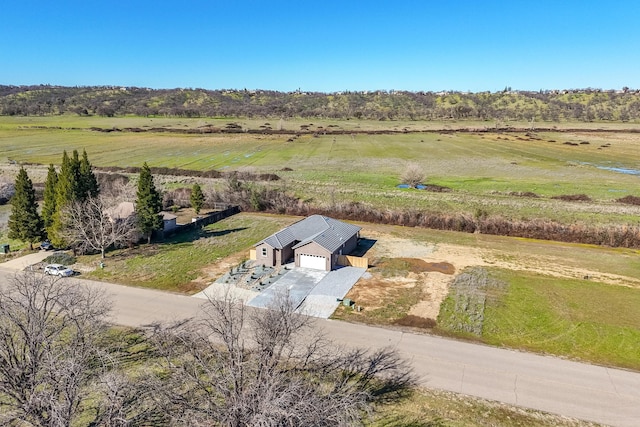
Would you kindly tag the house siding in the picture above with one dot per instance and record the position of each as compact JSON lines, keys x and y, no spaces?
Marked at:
{"x":265,"y":260}
{"x":313,"y":248}
{"x":349,"y":245}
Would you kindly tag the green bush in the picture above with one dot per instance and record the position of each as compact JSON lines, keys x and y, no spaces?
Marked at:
{"x":60,"y":258}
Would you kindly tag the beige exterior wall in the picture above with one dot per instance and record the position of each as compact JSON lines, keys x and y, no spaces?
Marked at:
{"x":263,"y":259}
{"x":313,"y":248}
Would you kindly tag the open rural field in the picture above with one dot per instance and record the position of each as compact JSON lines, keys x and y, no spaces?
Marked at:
{"x":570,"y":300}
{"x":488,"y":173}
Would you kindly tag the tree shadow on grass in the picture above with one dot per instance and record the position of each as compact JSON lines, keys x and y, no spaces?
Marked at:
{"x":193,"y":235}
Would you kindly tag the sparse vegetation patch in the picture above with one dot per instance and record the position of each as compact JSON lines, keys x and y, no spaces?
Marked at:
{"x":463,"y":310}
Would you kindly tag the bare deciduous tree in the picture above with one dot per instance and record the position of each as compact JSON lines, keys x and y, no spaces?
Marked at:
{"x":413,"y":175}
{"x":90,"y":227}
{"x":268,"y":367}
{"x":49,"y":330}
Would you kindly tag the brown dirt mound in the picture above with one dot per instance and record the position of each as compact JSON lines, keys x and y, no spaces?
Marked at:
{"x":414,"y":265}
{"x":573,"y":198}
{"x":524,"y":194}
{"x":629,"y":200}
{"x":437,"y":188}
{"x":416,"y":322}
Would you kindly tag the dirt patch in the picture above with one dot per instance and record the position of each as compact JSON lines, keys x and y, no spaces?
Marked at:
{"x":412,"y":265}
{"x":212,"y":272}
{"x":435,"y":288}
{"x":416,"y":322}
{"x":372,"y":293}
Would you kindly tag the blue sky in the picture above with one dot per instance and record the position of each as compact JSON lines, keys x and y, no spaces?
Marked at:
{"x":322,"y":45}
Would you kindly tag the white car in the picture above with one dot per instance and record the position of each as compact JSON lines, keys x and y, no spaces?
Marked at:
{"x":58,"y":270}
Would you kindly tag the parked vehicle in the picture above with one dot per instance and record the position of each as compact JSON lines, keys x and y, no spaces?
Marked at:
{"x":58,"y":270}
{"x":46,"y":245}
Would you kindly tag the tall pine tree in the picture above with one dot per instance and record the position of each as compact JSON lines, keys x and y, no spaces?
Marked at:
{"x":148,"y":204}
{"x":49,"y":203}
{"x":197,"y":198}
{"x":87,"y":182}
{"x":65,"y":194}
{"x":76,"y":181}
{"x":25,"y":223}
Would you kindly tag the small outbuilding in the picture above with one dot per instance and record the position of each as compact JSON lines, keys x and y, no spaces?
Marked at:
{"x":169,"y":222}
{"x":314,"y":242}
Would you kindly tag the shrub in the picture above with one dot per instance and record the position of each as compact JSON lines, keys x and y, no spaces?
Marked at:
{"x":524,"y":194}
{"x":573,"y":197}
{"x":413,"y":175}
{"x":629,"y":200}
{"x":60,"y":258}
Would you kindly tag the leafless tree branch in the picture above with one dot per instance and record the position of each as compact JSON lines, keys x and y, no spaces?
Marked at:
{"x":236,"y":367}
{"x":49,"y":330}
{"x":89,"y":227}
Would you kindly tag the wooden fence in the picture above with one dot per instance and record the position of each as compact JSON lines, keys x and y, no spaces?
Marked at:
{"x":353,"y":261}
{"x":205,"y":220}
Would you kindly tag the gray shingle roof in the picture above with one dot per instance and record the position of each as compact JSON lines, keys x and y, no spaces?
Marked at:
{"x":326,"y":232}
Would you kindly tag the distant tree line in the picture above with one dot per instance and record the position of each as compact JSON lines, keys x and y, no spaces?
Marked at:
{"x":545,"y":105}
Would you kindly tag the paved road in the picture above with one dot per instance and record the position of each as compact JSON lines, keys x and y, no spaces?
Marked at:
{"x":550,"y":384}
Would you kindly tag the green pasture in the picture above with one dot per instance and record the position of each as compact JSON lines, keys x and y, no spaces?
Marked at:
{"x":580,"y":319}
{"x":481,"y":169}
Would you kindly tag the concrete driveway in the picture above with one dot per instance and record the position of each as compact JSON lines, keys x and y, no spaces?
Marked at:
{"x":322,"y":301}
{"x":297,"y":284}
{"x":313,"y":292}
{"x":20,"y":263}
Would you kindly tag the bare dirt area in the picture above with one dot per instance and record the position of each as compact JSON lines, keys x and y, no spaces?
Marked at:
{"x":402,"y":264}
{"x":213,"y":271}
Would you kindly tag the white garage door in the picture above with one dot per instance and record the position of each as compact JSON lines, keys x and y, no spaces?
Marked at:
{"x":313,"y":261}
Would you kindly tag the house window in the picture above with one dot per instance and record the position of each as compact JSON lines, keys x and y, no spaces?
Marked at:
{"x":264,"y":252}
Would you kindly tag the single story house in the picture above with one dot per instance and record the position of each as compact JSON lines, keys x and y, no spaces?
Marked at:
{"x":122,"y":211}
{"x":125,"y":209}
{"x":314,"y":242}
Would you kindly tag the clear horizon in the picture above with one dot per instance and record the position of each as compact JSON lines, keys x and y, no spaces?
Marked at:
{"x":463,"y":46}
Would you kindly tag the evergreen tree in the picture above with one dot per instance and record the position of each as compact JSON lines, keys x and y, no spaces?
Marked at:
{"x":76,"y":180}
{"x":87,"y":182}
{"x":65,"y":188}
{"x":197,"y":198}
{"x":65,"y":194}
{"x":148,"y":204}
{"x":49,"y":203}
{"x":24,"y":222}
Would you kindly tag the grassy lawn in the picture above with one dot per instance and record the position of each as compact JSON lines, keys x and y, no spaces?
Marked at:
{"x":580,"y":319}
{"x":434,"y":408}
{"x":175,"y":263}
{"x":14,"y":245}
